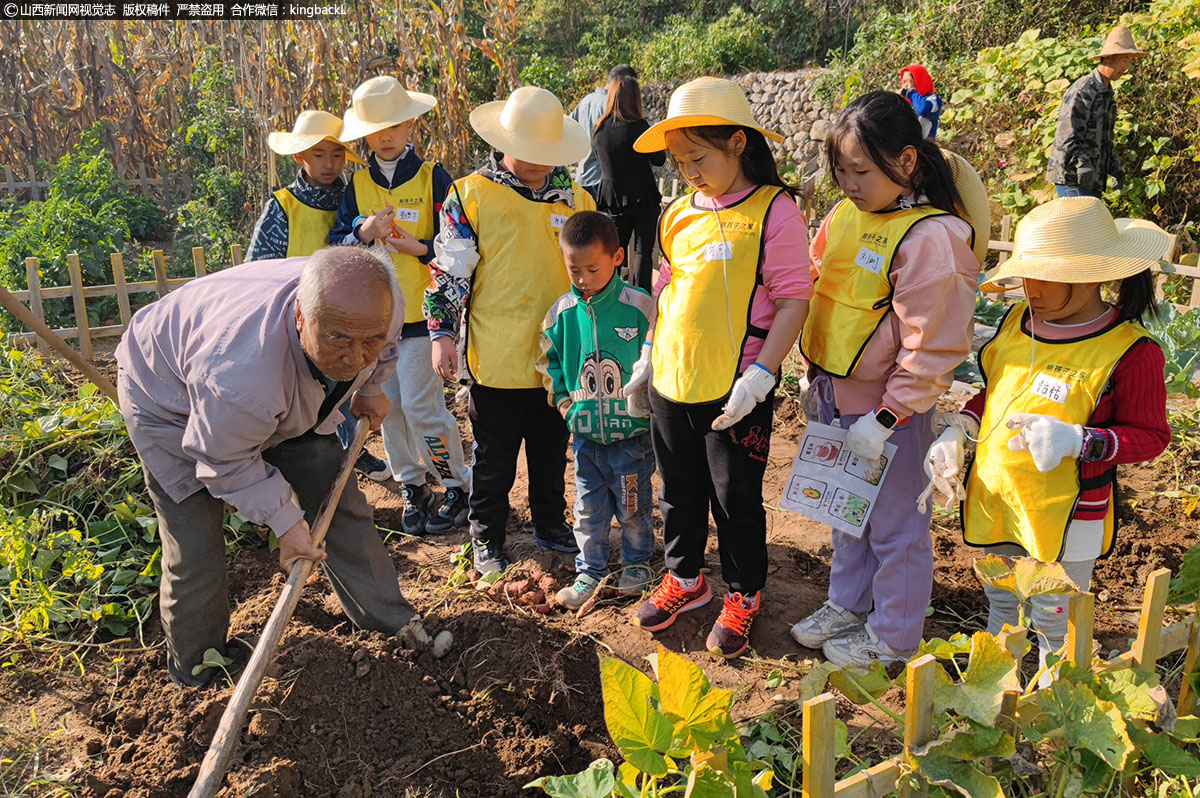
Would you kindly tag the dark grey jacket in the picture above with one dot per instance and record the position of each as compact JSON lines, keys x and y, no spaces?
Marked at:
{"x":1083,"y":143}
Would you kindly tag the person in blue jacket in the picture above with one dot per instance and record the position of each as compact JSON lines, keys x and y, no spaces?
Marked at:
{"x":917,"y":87}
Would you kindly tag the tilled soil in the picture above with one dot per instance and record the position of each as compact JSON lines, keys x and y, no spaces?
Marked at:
{"x":349,"y":713}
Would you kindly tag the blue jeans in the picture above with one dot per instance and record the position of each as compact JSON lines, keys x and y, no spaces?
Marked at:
{"x":1075,"y":191}
{"x":345,"y":430}
{"x":613,"y":479}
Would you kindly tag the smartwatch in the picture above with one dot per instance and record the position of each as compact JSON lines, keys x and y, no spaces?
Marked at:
{"x":1097,"y":445}
{"x":888,"y":418}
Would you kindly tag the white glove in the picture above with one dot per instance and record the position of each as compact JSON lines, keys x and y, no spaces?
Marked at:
{"x":943,"y":466}
{"x":457,"y":257}
{"x":637,"y":390}
{"x":750,"y":389}
{"x":1047,"y":439}
{"x":866,"y":437}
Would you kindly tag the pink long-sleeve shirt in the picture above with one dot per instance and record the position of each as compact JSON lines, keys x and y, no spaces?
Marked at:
{"x":784,"y":264}
{"x":910,"y":360}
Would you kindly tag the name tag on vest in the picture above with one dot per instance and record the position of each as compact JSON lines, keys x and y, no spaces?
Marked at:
{"x":557,"y":220}
{"x":410,"y":215}
{"x":869,"y":260}
{"x":718,"y":250}
{"x":1050,"y":388}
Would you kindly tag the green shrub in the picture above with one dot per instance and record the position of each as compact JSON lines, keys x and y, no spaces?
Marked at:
{"x":686,"y":48}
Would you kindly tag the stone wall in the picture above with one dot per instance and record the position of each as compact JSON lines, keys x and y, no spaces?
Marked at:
{"x":782,"y":101}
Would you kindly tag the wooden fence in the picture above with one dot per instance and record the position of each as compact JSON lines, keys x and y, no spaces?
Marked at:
{"x":1153,"y":642}
{"x":26,"y":180}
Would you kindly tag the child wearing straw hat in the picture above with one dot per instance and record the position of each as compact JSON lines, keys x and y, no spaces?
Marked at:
{"x":395,"y":203}
{"x":1082,"y":158}
{"x":732,"y":295}
{"x":896,"y":265}
{"x":498,"y":270}
{"x":1073,"y":388}
{"x":298,"y":218}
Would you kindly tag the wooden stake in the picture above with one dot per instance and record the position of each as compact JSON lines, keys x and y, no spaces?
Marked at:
{"x":81,"y":319}
{"x":819,"y":755}
{"x":918,"y":708}
{"x":235,"y":254}
{"x":34,"y":194}
{"x":1191,"y":661}
{"x":216,"y":760}
{"x":199,"y":262}
{"x":160,"y":273}
{"x":1081,"y":613}
{"x":118,"y":264}
{"x":34,"y":280}
{"x":1148,"y":647}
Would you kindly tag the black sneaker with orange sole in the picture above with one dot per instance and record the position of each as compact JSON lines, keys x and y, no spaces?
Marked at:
{"x":669,"y":599}
{"x":730,"y":635}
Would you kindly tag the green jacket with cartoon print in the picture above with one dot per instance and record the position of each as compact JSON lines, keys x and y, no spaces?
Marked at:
{"x":589,"y":347}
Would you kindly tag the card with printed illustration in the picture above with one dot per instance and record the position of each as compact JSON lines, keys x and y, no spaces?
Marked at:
{"x":832,"y":485}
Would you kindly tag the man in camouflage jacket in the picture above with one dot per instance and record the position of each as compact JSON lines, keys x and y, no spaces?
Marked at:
{"x":1083,"y":159}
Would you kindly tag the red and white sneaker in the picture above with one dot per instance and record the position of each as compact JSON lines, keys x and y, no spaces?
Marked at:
{"x":669,"y":599}
{"x":730,"y":635}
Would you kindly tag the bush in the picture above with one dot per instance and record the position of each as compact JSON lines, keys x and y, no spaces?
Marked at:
{"x":685,"y":48}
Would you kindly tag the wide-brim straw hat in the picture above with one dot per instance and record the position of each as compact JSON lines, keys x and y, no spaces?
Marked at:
{"x":379,"y":103}
{"x":531,"y":126}
{"x":1120,"y":42}
{"x":311,"y":128}
{"x":703,"y":101}
{"x":977,"y":208}
{"x":1076,"y":240}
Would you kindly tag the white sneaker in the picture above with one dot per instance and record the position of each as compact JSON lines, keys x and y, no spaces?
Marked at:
{"x":862,"y":648}
{"x":827,"y":622}
{"x":574,"y":596}
{"x":634,"y":580}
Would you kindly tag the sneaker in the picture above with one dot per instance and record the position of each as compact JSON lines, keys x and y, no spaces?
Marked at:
{"x":416,"y":509}
{"x":450,"y":512}
{"x":634,"y":580}
{"x":730,"y":635}
{"x":668,"y":600}
{"x":862,"y":648}
{"x":827,"y":622}
{"x":573,"y":597}
{"x":488,"y":557}
{"x":559,"y":538}
{"x":372,"y":467}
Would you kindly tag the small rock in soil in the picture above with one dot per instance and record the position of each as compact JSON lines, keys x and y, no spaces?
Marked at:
{"x":362,"y":668}
{"x":265,"y":725}
{"x":442,"y":643}
{"x":94,"y":747}
{"x":360,"y":655}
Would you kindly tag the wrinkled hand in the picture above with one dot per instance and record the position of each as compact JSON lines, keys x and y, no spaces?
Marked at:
{"x":373,"y":408}
{"x":1047,"y":439}
{"x":296,"y":544}
{"x":943,"y":466}
{"x":866,"y":437}
{"x":637,"y":390}
{"x":750,"y":389}
{"x":377,"y":225}
{"x":400,"y":240}
{"x":445,"y":357}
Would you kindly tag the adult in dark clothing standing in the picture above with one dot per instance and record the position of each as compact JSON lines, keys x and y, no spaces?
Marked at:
{"x":628,"y":192}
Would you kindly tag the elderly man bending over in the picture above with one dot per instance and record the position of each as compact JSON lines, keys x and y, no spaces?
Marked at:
{"x":230,"y":388}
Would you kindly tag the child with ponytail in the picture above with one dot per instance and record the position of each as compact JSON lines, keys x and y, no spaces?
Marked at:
{"x":890,"y":319}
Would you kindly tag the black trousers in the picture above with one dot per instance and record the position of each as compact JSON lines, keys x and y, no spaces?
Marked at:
{"x":641,"y":223}
{"x":501,"y":418}
{"x":704,"y":470}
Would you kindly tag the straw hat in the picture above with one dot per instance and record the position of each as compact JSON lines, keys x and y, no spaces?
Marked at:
{"x":311,"y":128}
{"x":531,"y":126}
{"x":703,"y":101}
{"x":379,"y":103}
{"x":976,"y":203}
{"x":1120,"y":42}
{"x":1076,"y":240}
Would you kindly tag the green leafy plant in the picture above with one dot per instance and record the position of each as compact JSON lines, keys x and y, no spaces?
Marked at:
{"x":1179,"y":336}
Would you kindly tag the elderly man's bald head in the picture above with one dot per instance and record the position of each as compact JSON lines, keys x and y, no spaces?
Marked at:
{"x":344,"y":309}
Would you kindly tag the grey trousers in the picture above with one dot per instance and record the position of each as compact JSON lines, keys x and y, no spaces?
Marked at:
{"x":194,"y":593}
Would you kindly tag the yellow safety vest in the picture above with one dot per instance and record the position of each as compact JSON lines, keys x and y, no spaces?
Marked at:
{"x":704,"y":311}
{"x":519,"y":277}
{"x":308,"y":227}
{"x":853,"y":293}
{"x":1008,"y":499}
{"x":413,"y":201}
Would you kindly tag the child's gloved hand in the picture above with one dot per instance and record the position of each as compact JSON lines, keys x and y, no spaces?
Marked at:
{"x":750,"y":389}
{"x":637,"y":390}
{"x":457,"y":257}
{"x":866,"y":437}
{"x":1047,"y":439}
{"x":943,"y":466}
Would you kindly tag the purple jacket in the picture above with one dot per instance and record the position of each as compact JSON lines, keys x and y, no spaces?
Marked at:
{"x":213,"y":374}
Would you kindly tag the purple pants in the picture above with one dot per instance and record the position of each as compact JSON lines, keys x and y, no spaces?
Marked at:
{"x":889,"y":570}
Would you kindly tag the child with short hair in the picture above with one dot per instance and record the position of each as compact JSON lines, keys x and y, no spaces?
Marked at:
{"x":497,"y":268}
{"x":891,"y":318}
{"x":591,"y":339}
{"x":396,"y":202}
{"x":1077,"y":384}
{"x":733,"y":294}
